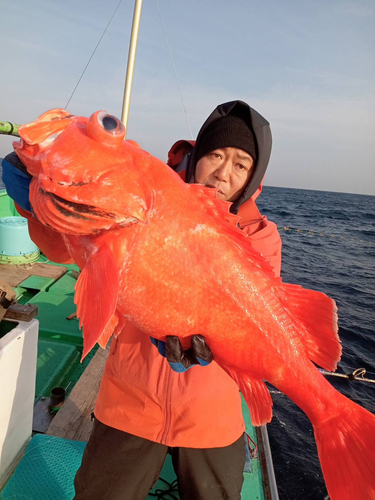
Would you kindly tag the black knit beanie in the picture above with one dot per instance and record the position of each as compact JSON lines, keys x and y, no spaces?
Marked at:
{"x":229,"y":131}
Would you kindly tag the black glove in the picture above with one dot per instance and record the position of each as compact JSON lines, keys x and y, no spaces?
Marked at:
{"x":180,"y":360}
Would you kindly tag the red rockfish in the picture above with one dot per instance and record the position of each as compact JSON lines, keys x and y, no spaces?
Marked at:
{"x":126,"y":217}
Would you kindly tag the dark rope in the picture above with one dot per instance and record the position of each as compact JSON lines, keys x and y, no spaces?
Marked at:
{"x":168,"y":493}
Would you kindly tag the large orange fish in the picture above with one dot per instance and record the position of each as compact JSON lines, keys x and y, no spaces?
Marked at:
{"x":126,"y":217}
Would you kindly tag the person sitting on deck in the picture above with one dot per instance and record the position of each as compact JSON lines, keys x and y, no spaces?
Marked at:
{"x":145,"y":409}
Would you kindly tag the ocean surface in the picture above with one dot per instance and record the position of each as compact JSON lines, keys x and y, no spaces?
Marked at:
{"x":328,"y":245}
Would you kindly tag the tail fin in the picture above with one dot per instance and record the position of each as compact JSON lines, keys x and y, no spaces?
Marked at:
{"x":346,"y":448}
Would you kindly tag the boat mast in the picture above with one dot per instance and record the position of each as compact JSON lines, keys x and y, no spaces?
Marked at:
{"x":131,"y":62}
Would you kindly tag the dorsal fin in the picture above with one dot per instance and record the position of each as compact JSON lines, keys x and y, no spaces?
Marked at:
{"x":219,"y":211}
{"x":317,"y":316}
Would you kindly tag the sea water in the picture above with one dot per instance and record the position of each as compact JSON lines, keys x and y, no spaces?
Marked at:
{"x":328,"y":245}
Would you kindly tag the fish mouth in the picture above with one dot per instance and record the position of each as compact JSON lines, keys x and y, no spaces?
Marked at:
{"x":74,"y":209}
{"x":70,"y":217}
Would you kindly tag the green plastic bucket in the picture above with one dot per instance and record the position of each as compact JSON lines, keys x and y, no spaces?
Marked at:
{"x":16,"y":246}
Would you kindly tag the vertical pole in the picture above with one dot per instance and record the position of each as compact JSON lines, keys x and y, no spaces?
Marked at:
{"x":131,"y":62}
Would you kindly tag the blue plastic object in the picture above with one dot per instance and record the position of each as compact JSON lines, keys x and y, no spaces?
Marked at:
{"x":15,"y":242}
{"x":17,"y":184}
{"x":46,"y":471}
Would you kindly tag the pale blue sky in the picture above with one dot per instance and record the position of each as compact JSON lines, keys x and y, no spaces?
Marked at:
{"x":308,"y":66}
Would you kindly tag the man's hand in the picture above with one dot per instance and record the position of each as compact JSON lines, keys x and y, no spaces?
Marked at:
{"x":17,"y":181}
{"x":180,"y":360}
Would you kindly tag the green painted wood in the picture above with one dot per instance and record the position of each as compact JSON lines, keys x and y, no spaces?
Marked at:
{"x":54,"y":361}
{"x":65,"y":284}
{"x":253,"y":482}
{"x":54,"y":308}
{"x":39,"y":283}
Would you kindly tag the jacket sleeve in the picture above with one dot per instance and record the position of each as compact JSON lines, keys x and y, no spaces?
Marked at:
{"x":50,"y":242}
{"x":265,"y":238}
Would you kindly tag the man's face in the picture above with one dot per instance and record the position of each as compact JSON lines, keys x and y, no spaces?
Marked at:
{"x":227,"y":169}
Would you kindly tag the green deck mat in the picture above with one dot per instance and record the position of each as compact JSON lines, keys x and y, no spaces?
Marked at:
{"x":37,"y":283}
{"x":65,"y":284}
{"x":46,"y":471}
{"x":31,"y":286}
{"x":53,"y":309}
{"x":55,"y":361}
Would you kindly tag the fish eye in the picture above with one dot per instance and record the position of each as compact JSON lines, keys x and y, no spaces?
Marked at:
{"x":105,"y":128}
{"x":110,"y":123}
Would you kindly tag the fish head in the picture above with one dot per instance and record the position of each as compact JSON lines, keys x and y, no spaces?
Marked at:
{"x":86,"y":177}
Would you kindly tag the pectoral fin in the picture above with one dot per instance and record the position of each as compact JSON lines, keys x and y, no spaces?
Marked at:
{"x":96,"y":297}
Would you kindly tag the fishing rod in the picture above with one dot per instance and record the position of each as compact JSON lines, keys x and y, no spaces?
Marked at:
{"x":9,"y":128}
{"x":357,"y":375}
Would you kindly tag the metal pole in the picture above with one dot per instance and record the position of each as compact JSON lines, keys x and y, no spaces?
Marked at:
{"x":269,"y":463}
{"x":131,"y":62}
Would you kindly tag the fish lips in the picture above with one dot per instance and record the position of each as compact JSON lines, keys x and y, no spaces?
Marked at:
{"x":71,"y":217}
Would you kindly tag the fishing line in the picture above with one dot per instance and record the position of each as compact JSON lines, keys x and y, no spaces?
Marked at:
{"x":92,"y":55}
{"x":322,"y":234}
{"x":174,"y":69}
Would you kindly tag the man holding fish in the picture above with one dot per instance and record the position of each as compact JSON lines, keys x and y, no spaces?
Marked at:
{"x":144,"y":409}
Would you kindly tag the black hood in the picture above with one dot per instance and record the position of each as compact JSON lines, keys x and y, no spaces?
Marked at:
{"x":263,"y":138}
